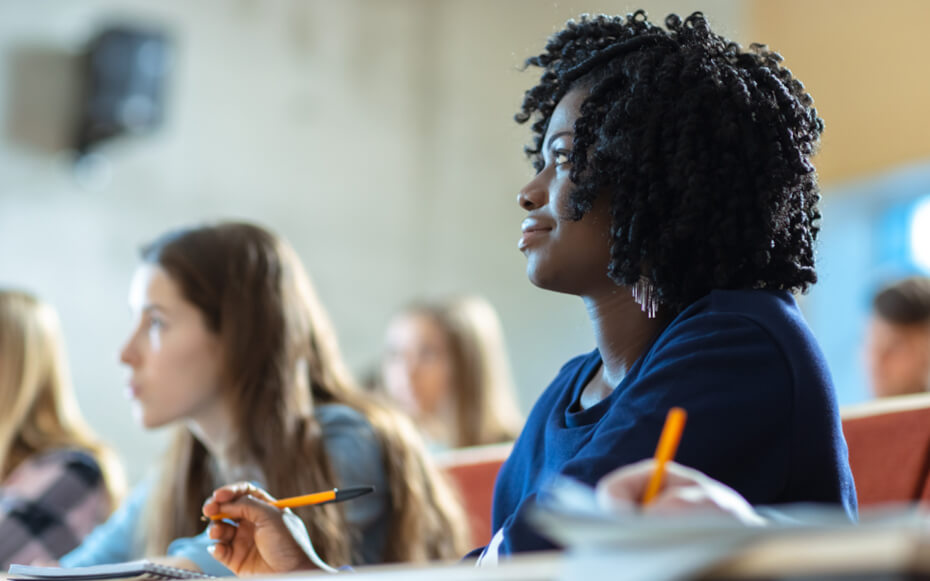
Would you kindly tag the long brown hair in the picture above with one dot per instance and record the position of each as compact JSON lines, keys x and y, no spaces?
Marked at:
{"x":38,"y":410}
{"x":280,"y":359}
{"x":483,"y":394}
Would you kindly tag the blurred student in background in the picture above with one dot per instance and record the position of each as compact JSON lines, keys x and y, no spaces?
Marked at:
{"x":230,"y":343}
{"x":898,"y":340}
{"x":446,"y":364}
{"x":58,"y":480}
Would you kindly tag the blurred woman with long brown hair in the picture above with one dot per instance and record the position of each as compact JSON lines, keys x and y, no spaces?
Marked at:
{"x":231,"y":342}
{"x":445,"y":363}
{"x":57,"y":481}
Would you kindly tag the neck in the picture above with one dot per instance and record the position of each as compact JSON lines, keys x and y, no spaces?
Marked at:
{"x":621,"y":329}
{"x":213,"y":428}
{"x":438,"y":428}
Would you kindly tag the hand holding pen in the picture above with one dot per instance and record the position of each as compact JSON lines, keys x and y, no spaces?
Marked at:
{"x":665,"y":451}
{"x":260,"y":542}
{"x":658,"y":485}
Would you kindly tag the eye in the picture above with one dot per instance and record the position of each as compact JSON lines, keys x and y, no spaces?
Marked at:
{"x":428,"y":354}
{"x":561,"y":157}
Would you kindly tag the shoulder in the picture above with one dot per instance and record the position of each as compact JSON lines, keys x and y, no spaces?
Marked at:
{"x":78,"y":462}
{"x":352,"y":446}
{"x":773,"y":311}
{"x":338,"y":419}
{"x":727,"y":344}
{"x":346,"y":433}
{"x":64,"y":463}
{"x":741,"y":319}
{"x":753,"y":341}
{"x":63,"y":486}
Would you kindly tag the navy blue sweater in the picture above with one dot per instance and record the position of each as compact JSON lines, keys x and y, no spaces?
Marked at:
{"x":762,"y":415}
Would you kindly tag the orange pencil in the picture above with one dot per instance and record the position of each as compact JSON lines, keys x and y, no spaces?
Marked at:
{"x":665,"y":451}
{"x":334,"y":495}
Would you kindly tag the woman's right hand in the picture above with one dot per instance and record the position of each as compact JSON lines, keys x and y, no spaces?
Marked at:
{"x":684,"y":490}
{"x":259,"y":543}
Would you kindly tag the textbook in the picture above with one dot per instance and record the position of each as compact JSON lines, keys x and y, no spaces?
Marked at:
{"x":567,"y":512}
{"x":800,"y":538}
{"x":131,"y":570}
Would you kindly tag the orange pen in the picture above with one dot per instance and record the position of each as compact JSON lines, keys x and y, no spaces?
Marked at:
{"x":334,"y":495}
{"x":665,"y":451}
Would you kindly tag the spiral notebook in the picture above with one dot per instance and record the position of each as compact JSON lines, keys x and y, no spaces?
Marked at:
{"x":131,"y":570}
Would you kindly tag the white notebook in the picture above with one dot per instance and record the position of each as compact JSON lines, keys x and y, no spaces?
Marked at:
{"x":133,"y":569}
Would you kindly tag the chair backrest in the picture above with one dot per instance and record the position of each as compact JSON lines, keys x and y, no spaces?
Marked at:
{"x":474,"y":472}
{"x":889,"y":448}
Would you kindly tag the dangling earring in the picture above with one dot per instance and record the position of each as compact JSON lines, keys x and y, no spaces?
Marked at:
{"x":645,"y":295}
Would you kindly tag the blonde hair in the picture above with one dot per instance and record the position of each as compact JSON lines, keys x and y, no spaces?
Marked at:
{"x":281,"y":359}
{"x":40,"y":412}
{"x":484,"y":396}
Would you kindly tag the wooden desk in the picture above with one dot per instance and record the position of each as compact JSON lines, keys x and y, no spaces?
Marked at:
{"x":531,"y":567}
{"x":857,"y":553}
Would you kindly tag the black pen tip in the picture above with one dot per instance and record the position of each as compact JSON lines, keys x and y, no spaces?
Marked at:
{"x":352,"y":492}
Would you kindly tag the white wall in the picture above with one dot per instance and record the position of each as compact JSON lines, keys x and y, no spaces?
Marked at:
{"x":376,"y":136}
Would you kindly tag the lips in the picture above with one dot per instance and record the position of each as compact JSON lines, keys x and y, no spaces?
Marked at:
{"x":534,"y":230}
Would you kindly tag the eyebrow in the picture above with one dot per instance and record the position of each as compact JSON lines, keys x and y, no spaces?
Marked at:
{"x":555,"y":135}
{"x":152,"y":307}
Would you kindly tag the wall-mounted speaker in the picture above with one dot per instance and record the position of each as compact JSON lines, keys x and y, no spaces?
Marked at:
{"x":125,"y":70}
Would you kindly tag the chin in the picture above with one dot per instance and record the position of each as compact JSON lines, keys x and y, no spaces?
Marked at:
{"x":149,"y":421}
{"x":153,"y":424}
{"x":537,"y":274}
{"x":548,"y":280}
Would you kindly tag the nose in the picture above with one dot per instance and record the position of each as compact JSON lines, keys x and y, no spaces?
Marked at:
{"x":411,"y":365}
{"x":128,"y":354}
{"x":533,"y":194}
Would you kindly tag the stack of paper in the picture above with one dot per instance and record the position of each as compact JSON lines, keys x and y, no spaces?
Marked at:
{"x":131,"y":570}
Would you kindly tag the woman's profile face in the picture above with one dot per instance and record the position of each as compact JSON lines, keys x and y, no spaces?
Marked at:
{"x":175,"y":359}
{"x":417,"y":365}
{"x":563,"y":255}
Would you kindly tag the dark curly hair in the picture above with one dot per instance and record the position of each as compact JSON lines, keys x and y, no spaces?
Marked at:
{"x":704,"y":149}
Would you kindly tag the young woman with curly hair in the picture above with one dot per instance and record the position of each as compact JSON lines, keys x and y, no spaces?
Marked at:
{"x":675,"y":195}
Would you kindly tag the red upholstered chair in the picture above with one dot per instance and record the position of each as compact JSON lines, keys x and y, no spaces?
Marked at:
{"x":474,"y":471}
{"x":889,"y":448}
